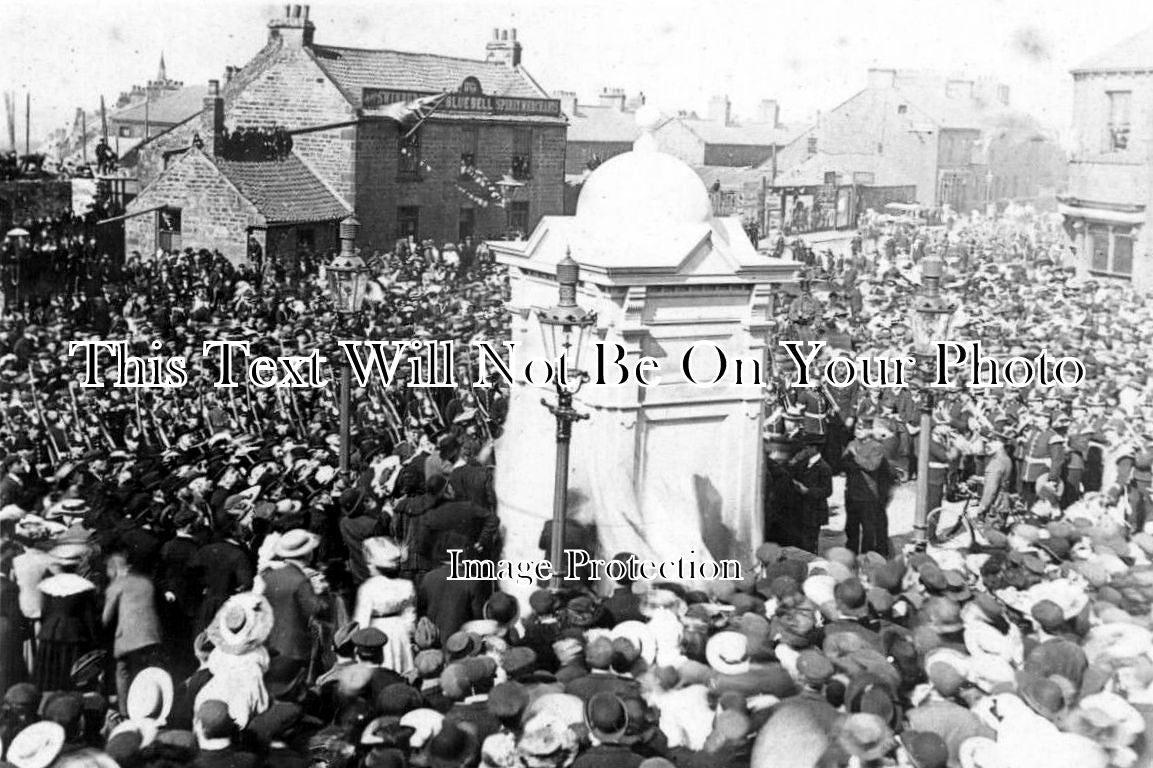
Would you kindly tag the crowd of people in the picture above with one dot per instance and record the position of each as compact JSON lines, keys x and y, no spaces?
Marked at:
{"x":186,"y":577}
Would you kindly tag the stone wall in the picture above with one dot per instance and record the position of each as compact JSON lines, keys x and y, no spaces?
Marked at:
{"x":291,"y":91}
{"x":213,"y":213}
{"x":381,"y":191}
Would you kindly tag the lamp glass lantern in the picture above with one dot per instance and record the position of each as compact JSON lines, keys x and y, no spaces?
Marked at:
{"x":348,"y":274}
{"x":933,"y":314}
{"x":565,"y":327}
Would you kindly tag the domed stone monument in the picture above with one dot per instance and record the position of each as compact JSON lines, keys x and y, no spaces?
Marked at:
{"x":666,"y":471}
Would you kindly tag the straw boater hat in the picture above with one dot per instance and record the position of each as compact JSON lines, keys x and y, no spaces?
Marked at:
{"x":728,"y":653}
{"x":150,"y":696}
{"x":242,"y":624}
{"x":296,"y":544}
{"x":37,"y":746}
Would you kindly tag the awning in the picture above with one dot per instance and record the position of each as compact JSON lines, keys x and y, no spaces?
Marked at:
{"x":133,"y":215}
{"x":1101,"y":214}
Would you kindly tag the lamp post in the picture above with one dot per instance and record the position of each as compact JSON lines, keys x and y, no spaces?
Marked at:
{"x":347,"y":278}
{"x":931,"y":319}
{"x":564,"y":328}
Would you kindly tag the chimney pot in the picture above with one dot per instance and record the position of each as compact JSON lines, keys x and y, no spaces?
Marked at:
{"x":514,"y":34}
{"x":306,"y":9}
{"x":288,"y":11}
{"x":296,"y":11}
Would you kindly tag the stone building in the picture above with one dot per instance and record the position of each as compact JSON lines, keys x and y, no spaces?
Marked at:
{"x":1107,"y":208}
{"x":957,"y":141}
{"x":151,"y":117}
{"x":721,"y":140}
{"x":599,"y":131}
{"x":489,"y":159}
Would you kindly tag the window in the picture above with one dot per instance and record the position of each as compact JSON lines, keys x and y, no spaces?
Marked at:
{"x":408,"y":222}
{"x":902,"y":109}
{"x":518,"y":216}
{"x":1119,"y":103}
{"x":409,"y":155}
{"x":168,"y":229}
{"x":470,"y":141}
{"x":812,"y":146}
{"x":1110,"y":250}
{"x":470,"y":86}
{"x":522,"y":153}
{"x":467,"y":223}
{"x":125,"y":131}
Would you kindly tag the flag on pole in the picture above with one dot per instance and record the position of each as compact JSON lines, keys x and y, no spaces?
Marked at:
{"x":410,"y":114}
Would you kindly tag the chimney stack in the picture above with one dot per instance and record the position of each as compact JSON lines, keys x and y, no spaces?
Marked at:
{"x":614,"y":98}
{"x":293,"y":30}
{"x":721,"y":110}
{"x":568,"y":102}
{"x":769,"y":113}
{"x":881,"y":78}
{"x":212,"y":119}
{"x":503,"y":48}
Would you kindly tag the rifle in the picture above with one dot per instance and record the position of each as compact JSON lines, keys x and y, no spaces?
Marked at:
{"x":53,"y":449}
{"x":76,"y":415}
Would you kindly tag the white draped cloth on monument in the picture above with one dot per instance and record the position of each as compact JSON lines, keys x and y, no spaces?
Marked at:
{"x":670,"y":517}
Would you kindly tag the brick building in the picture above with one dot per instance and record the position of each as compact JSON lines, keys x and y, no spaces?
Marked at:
{"x":490,"y":158}
{"x":1110,"y":197}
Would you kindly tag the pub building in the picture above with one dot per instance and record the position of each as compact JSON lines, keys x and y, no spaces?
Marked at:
{"x":304,"y":134}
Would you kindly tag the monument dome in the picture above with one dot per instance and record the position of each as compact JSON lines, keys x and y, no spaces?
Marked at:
{"x":644,"y":186}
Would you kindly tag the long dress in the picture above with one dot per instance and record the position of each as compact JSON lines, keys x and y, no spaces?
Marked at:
{"x":68,"y":629}
{"x":390,"y":606}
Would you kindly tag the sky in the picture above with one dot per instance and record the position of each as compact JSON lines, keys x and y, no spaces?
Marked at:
{"x":809,"y":55}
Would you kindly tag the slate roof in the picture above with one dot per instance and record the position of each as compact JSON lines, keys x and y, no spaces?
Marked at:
{"x":747,"y":135}
{"x":603,"y":124}
{"x":1133,"y":54}
{"x":283,"y":190}
{"x":173,"y":108}
{"x":354,"y":69}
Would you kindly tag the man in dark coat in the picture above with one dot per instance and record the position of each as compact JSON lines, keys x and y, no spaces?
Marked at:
{"x":456,"y":525}
{"x":217,"y":572}
{"x":813,"y":480}
{"x":449,"y":604}
{"x":289,"y":591}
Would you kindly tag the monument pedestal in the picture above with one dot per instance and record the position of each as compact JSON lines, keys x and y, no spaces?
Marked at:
{"x":672,"y":470}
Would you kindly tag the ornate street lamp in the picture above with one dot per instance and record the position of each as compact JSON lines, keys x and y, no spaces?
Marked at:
{"x":347,"y":280}
{"x":931,"y":319}
{"x":564,"y":328}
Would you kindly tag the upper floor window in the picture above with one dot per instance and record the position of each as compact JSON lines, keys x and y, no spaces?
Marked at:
{"x":522,"y":153}
{"x":902,"y":109}
{"x":470,"y":86}
{"x":469,"y":148}
{"x":1119,"y":104}
{"x":408,"y":159}
{"x":812,"y":145}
